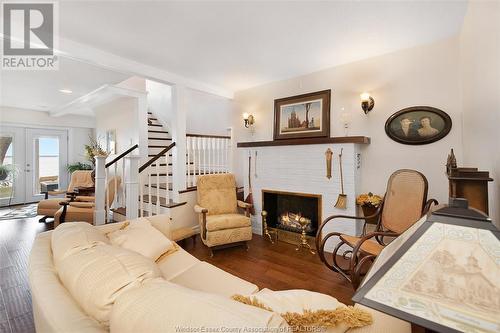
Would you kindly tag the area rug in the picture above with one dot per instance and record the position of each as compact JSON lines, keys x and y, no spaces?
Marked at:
{"x":18,"y":212}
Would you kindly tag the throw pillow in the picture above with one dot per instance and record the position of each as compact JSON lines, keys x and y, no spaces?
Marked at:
{"x":140,"y":236}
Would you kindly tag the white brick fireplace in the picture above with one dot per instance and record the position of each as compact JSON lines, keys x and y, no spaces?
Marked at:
{"x":302,"y":168}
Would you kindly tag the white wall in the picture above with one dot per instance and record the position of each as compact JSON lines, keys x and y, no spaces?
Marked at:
{"x":133,"y":82}
{"x":480,"y":70}
{"x":79,"y":127}
{"x":120,"y":115}
{"x":41,"y":118}
{"x":160,"y":102}
{"x":426,"y":75}
{"x":207,"y":114}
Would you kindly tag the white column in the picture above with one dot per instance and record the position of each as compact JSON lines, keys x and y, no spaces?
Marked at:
{"x":178,"y":128}
{"x":232,"y":149}
{"x":132,"y":185}
{"x":142,"y":124}
{"x":100,"y":190}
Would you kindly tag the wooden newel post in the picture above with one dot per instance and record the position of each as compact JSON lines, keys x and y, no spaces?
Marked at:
{"x":132,"y":186}
{"x":100,"y":190}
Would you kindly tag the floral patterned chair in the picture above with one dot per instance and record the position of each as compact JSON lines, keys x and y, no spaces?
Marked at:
{"x":220,"y":223}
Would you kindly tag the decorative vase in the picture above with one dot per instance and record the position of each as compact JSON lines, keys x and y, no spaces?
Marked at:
{"x":370,"y":210}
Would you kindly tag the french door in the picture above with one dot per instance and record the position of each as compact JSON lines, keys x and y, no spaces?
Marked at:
{"x":46,"y":160}
{"x":36,"y":161}
{"x":12,"y":160}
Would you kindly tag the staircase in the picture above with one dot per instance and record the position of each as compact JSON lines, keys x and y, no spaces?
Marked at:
{"x":156,"y":188}
{"x":153,"y":180}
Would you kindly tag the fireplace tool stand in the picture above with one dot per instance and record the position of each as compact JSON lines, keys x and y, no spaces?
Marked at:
{"x":266,"y":230}
{"x":304,"y":244}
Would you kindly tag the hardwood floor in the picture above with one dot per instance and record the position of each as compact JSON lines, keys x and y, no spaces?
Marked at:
{"x":270,"y":266}
{"x":16,"y":239}
{"x":276,"y":267}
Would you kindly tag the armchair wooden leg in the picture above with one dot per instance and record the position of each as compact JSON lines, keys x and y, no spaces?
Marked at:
{"x":247,"y":246}
{"x":211,"y":252}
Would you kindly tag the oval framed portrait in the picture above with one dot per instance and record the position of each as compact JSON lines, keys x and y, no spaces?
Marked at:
{"x":418,"y":125}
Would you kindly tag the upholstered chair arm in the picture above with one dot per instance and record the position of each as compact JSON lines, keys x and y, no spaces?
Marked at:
{"x":85,"y":198}
{"x":243,"y":204}
{"x":82,"y":204}
{"x":56,"y":192}
{"x":201,"y":210}
{"x":246,"y":206}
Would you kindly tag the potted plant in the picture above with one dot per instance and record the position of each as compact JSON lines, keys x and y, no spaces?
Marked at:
{"x":78,"y":166}
{"x":6,"y":170}
{"x":369,"y":203}
{"x":94,"y":149}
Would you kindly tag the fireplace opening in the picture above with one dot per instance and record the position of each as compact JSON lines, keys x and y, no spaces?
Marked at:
{"x":285,"y":211}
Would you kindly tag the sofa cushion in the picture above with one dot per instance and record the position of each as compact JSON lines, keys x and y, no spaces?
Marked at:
{"x":176,"y":263}
{"x":96,"y":276}
{"x":208,"y":278}
{"x":54,"y":309}
{"x":217,"y":193}
{"x":161,"y":306}
{"x":71,"y":237}
{"x":298,"y":300}
{"x":140,"y":236}
{"x":227,"y":221}
{"x":228,"y":236}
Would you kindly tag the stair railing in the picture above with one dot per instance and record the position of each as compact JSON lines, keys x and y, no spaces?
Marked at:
{"x":157,"y":168}
{"x":116,"y":167}
{"x":206,"y":154}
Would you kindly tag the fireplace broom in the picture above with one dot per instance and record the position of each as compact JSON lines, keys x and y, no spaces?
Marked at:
{"x":249,"y":198}
{"x":342,"y":198}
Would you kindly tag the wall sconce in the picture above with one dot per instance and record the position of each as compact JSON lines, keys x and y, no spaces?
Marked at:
{"x":367,"y":102}
{"x":249,"y":119}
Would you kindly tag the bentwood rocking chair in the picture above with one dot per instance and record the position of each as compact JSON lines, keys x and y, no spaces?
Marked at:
{"x":405,"y":202}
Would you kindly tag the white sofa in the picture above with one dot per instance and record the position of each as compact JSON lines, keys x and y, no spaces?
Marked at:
{"x":55,"y":310}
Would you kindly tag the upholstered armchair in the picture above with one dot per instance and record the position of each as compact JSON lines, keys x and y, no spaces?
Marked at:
{"x":82,"y":208}
{"x":405,"y":202}
{"x":221,"y":224}
{"x":49,"y":206}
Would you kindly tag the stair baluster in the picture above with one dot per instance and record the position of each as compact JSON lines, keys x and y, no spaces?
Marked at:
{"x":167,"y":196}
{"x":157,"y":168}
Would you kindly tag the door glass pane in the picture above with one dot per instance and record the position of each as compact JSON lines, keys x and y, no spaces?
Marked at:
{"x":7,"y":169}
{"x":46,"y":164}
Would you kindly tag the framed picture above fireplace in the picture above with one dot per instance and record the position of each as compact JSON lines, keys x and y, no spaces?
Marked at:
{"x":302,"y":116}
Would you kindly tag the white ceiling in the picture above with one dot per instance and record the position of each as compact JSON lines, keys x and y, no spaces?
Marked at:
{"x":39,"y":90}
{"x":237,"y":45}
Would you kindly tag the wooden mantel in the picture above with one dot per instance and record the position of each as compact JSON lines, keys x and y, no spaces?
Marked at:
{"x":306,"y":141}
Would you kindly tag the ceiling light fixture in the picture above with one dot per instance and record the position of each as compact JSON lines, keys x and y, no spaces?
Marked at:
{"x":66,"y":91}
